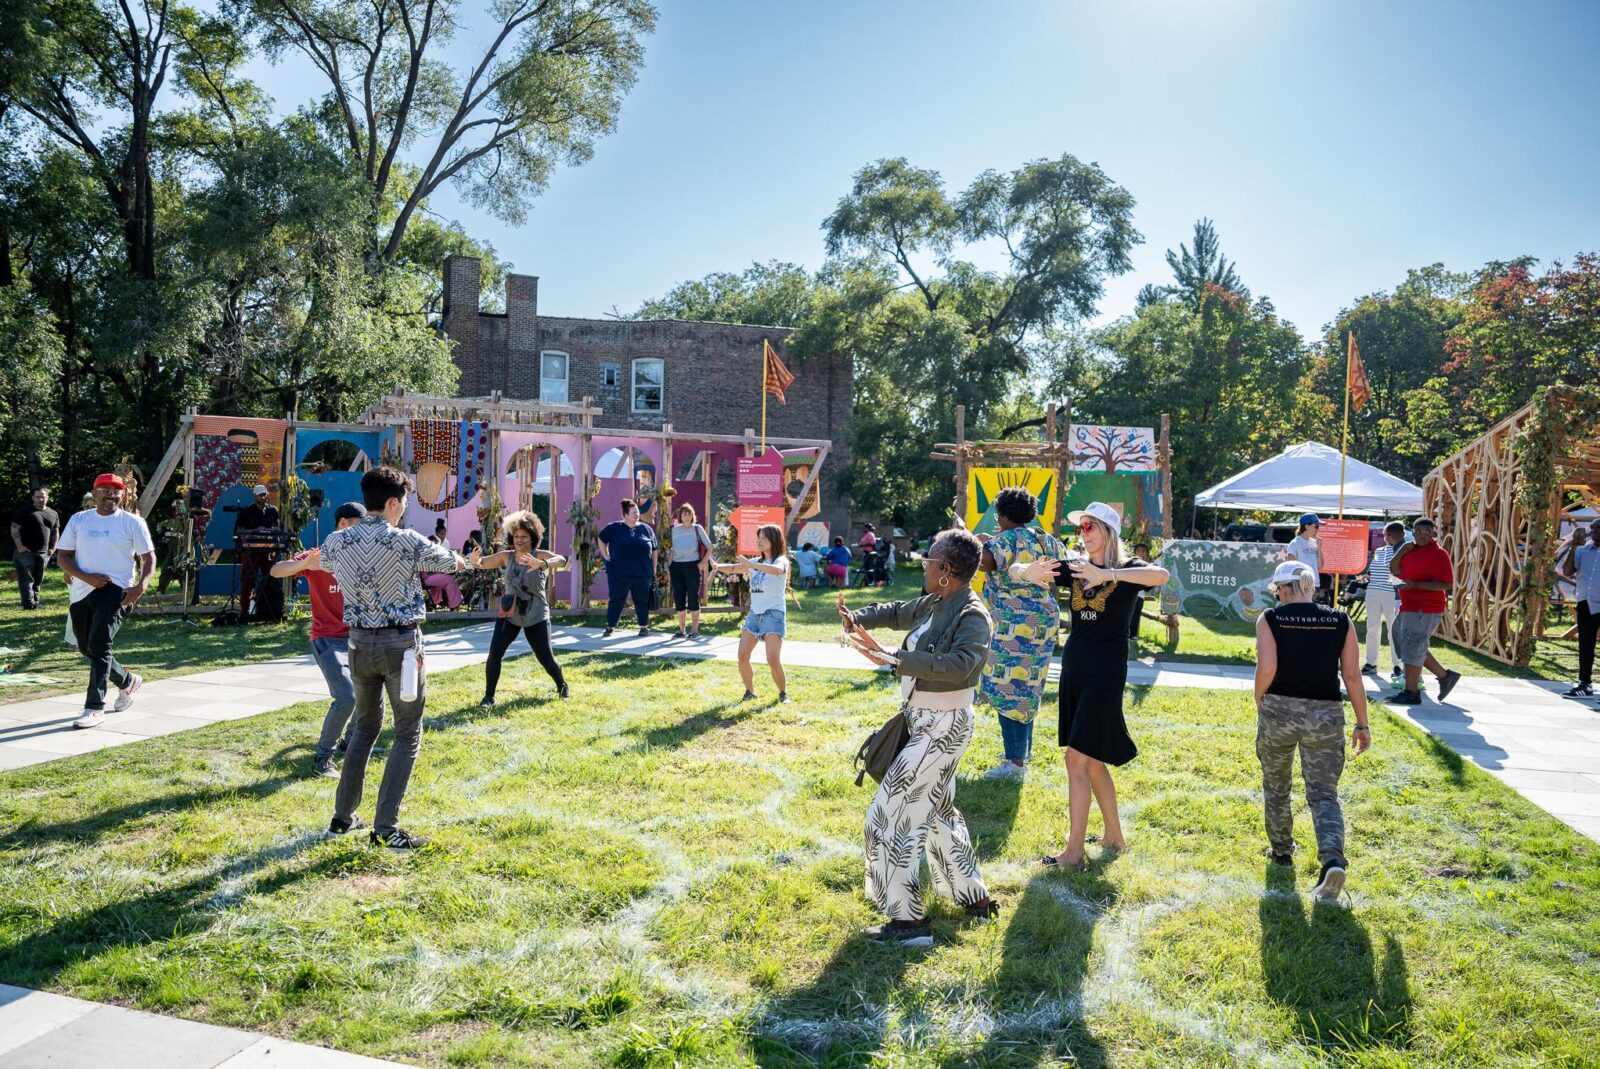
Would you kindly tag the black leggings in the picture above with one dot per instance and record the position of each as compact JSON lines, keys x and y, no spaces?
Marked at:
{"x":538,"y":640}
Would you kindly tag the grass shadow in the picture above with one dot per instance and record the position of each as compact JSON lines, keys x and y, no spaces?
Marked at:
{"x":1320,"y":966}
{"x":674,"y":736}
{"x":843,"y":1016}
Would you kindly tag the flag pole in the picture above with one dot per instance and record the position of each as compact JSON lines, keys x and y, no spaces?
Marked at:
{"x":1344,"y":440}
{"x":764,"y":346}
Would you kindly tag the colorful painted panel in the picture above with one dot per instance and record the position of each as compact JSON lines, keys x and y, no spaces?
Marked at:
{"x":1096,"y":447}
{"x":985,"y":484}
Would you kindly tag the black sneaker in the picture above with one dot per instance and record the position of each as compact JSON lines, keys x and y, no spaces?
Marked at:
{"x":902,"y":933}
{"x":1448,"y":683}
{"x":563,"y":691}
{"x":1331,"y":882}
{"x":1279,"y":859}
{"x":986,"y":910}
{"x":1369,"y":669}
{"x":324,"y":767}
{"x":486,"y":703}
{"x":749,"y":696}
{"x":1407,"y":697}
{"x":339,"y":827}
{"x":1396,"y":672}
{"x":343,"y":747}
{"x":398,"y":839}
{"x":783,"y":697}
{"x":643,"y":631}
{"x":1581,"y":690}
{"x":607,"y":632}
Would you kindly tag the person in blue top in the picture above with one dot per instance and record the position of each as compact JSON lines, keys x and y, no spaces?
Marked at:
{"x":839,"y":562}
{"x":629,"y":550}
{"x":1583,"y":565}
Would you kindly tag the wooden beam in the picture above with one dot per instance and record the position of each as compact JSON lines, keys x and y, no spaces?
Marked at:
{"x":811,"y":480}
{"x":1164,"y":455}
{"x":164,"y":470}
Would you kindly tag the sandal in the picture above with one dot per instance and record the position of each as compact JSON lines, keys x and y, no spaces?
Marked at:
{"x":1052,"y":862}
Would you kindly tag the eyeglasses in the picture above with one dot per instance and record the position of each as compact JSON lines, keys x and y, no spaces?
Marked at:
{"x":934,"y":560}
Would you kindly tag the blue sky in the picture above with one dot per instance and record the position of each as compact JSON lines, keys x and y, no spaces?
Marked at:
{"x":1334,"y":145}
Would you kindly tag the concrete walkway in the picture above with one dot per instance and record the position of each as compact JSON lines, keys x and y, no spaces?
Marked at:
{"x":39,"y":1029}
{"x":1523,"y":732}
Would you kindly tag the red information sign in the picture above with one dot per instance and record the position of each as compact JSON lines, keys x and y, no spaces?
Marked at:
{"x":759,"y":480}
{"x":1344,"y":546}
{"x":748,"y":519}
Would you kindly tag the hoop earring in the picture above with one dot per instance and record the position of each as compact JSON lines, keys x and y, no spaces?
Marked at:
{"x":944,"y":581}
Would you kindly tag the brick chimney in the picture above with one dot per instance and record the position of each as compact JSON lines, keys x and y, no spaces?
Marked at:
{"x":463,"y":277}
{"x":522,"y":336}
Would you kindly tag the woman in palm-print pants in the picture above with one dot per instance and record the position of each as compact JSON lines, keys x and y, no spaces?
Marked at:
{"x":940,"y":663}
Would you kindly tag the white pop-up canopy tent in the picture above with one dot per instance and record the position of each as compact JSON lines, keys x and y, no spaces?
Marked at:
{"x":1305,"y":478}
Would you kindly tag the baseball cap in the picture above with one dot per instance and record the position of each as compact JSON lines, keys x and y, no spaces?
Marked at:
{"x":350,"y":510}
{"x":260,"y":490}
{"x":111,"y":480}
{"x":1292,"y":571}
{"x":1097,"y":510}
{"x":1311,"y":517}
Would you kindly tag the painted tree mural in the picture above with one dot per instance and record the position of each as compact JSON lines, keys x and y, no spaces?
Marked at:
{"x":1113,"y":449}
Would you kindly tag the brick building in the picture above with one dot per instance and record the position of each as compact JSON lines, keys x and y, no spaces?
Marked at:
{"x":701,"y":377}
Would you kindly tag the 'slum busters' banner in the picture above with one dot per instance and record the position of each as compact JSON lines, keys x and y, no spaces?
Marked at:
{"x":1219,"y":580}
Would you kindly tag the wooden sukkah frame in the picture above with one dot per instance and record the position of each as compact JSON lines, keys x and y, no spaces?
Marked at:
{"x":1054,"y":453}
{"x":519,"y":417}
{"x":1499,"y":503}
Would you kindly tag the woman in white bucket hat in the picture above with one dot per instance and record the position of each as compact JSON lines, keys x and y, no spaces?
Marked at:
{"x":1105,"y":591}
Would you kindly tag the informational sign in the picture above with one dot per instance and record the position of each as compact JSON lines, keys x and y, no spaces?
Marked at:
{"x":1344,"y":546}
{"x":748,"y":519}
{"x":985,"y":484}
{"x":759,"y":480}
{"x":797,"y":467}
{"x":1096,"y":447}
{"x":816,"y":532}
{"x":1213,"y":580}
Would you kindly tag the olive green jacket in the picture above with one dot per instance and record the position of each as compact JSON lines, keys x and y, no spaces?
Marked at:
{"x":955,"y":649}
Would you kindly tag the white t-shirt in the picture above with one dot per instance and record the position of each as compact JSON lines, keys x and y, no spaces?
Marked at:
{"x":105,"y":545}
{"x":766,"y":591}
{"x":1306,"y":551}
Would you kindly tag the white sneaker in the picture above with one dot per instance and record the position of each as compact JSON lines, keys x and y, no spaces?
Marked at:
{"x":1006,"y":770}
{"x":91,"y":718}
{"x":125,"y":695}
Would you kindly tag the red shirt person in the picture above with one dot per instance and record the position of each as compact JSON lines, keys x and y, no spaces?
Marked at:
{"x":330,"y":640}
{"x":1423,"y":576}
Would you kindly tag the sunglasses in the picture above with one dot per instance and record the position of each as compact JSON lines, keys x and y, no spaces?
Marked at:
{"x":1086,"y":526}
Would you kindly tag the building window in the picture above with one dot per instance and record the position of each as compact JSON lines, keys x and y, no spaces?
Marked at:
{"x":610,"y":382}
{"x":647,"y":385}
{"x":553,"y":374}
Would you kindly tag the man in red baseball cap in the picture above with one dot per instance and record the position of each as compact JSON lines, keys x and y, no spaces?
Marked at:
{"x":107,"y":553}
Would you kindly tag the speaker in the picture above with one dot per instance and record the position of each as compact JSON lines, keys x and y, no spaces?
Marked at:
{"x":197,"y":499}
{"x":316,"y":497}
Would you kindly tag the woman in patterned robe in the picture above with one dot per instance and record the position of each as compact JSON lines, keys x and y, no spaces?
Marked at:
{"x":1026,"y":619}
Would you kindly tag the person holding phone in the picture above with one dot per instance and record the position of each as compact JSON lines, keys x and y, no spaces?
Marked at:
{"x":767,"y":620}
{"x":939,"y":665}
{"x":1302,"y":651}
{"x":525,"y":606}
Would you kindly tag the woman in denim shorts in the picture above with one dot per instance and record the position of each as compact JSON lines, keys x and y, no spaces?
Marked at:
{"x":769,"y":586}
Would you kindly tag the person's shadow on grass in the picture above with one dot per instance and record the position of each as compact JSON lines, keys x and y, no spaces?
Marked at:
{"x":1320,"y":964}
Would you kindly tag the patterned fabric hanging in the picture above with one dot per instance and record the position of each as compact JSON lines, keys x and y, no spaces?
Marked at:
{"x":216,"y":463}
{"x":442,"y":447}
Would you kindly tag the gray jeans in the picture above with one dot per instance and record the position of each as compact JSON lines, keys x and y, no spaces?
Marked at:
{"x":30,"y":573}
{"x":375,"y":663}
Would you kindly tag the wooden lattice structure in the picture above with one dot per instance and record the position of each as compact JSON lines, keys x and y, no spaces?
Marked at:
{"x":1498,"y":503}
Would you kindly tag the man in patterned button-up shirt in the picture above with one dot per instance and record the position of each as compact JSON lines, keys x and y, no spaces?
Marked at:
{"x":376,"y":564}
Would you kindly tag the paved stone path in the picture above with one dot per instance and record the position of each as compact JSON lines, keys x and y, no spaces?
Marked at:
{"x":39,"y":1029}
{"x":1522,"y":732}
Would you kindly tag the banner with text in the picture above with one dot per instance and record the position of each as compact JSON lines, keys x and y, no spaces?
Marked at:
{"x":1215,"y":580}
{"x":759,"y":480}
{"x":1344,"y":546}
{"x":748,"y":519}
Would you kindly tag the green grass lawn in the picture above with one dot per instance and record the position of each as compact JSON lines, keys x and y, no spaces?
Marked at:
{"x":154,"y":646}
{"x":652,"y":874}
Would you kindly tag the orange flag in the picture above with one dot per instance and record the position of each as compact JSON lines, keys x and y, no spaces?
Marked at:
{"x":1355,"y":377}
{"x":778,"y":377}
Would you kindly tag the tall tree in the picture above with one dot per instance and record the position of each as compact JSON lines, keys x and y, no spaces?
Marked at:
{"x":492,"y":120}
{"x":1193,"y":271}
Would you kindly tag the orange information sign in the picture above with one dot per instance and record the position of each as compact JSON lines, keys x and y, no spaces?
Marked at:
{"x":1344,"y":546}
{"x":748,"y":519}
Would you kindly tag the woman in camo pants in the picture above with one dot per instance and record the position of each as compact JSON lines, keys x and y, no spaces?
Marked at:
{"x":940,"y":664}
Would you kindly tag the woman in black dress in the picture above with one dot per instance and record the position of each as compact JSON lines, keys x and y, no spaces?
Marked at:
{"x":1105,"y":591}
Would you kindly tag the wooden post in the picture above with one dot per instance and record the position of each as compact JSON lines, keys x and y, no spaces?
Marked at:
{"x":1164,"y":454}
{"x":962,"y":461}
{"x":190,"y":564}
{"x":586,"y":494}
{"x":1063,"y":464}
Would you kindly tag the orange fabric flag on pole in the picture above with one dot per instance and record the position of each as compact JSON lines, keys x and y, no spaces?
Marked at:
{"x":1355,"y":377}
{"x":778,"y":377}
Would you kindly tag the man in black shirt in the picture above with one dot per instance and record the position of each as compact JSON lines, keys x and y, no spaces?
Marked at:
{"x":35,"y":527}
{"x":254,"y":518}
